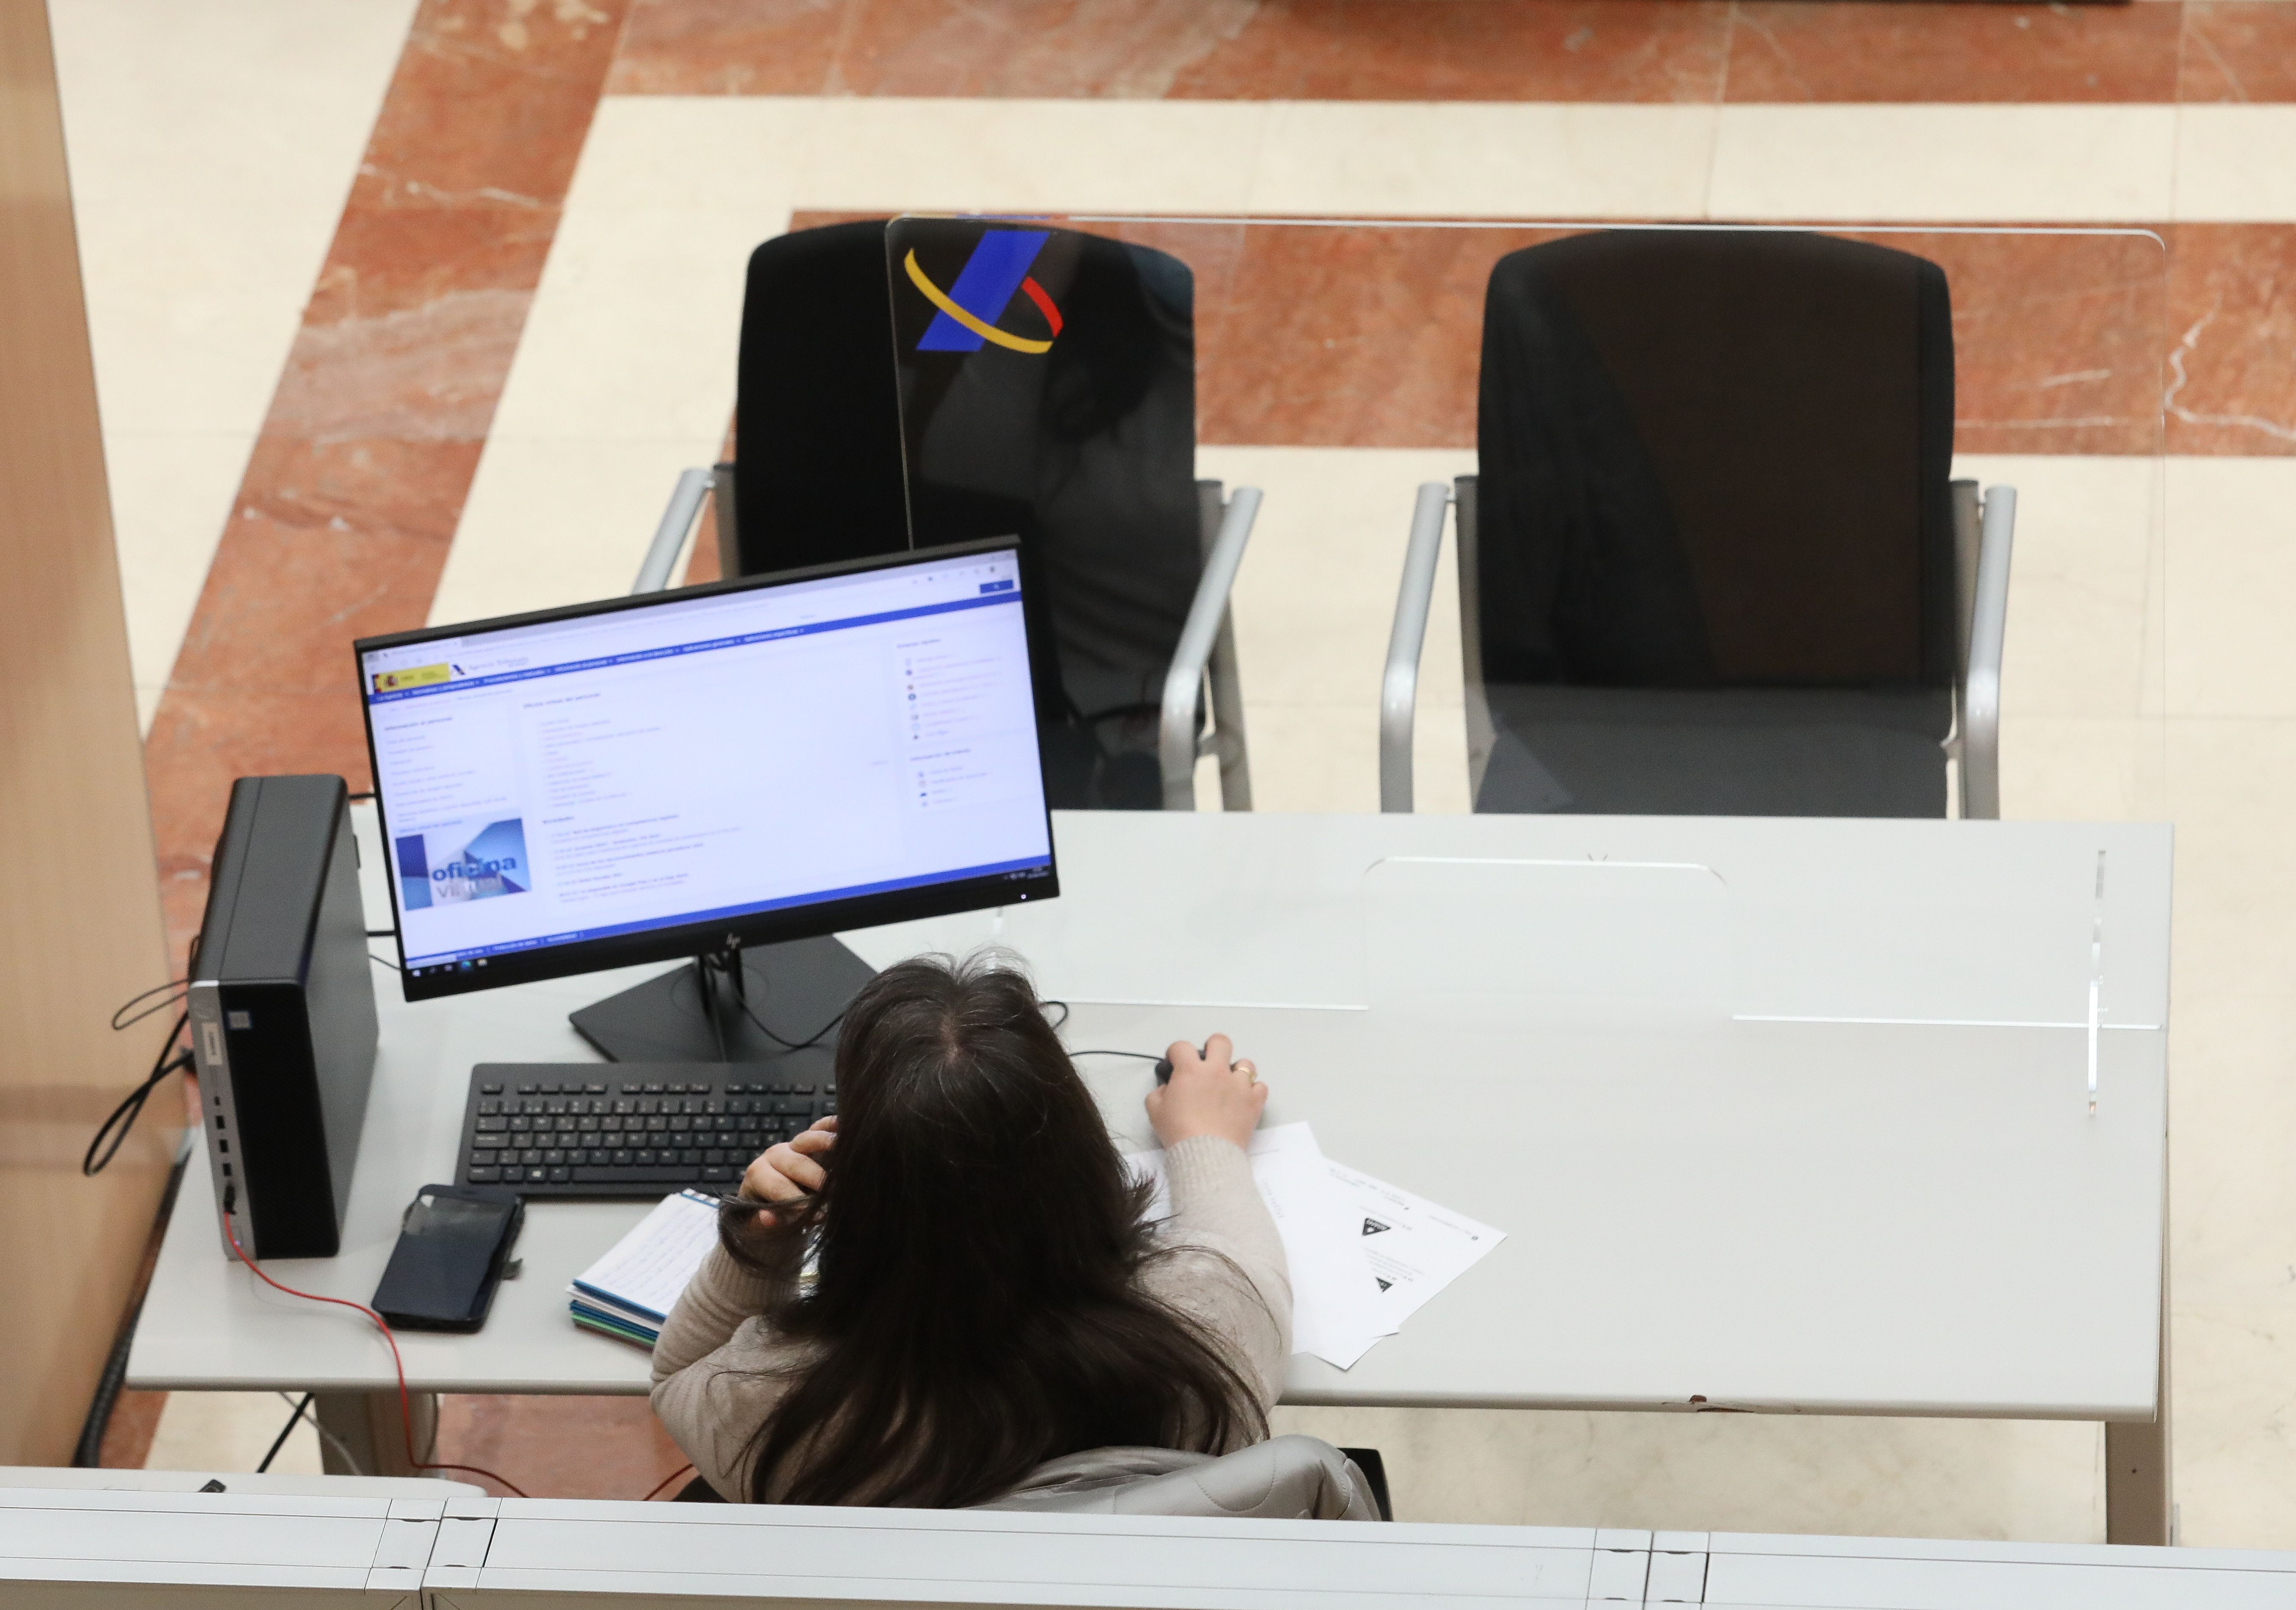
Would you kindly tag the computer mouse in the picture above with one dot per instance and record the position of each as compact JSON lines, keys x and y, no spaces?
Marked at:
{"x":1164,"y":1067}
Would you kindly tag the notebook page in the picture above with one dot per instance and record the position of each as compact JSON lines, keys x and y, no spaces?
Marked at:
{"x":649,"y":1268}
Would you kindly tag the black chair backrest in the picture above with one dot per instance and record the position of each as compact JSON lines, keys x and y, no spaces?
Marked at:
{"x":871,"y":419}
{"x":1716,"y":459}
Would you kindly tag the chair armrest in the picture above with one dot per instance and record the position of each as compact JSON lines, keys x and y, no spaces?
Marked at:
{"x":670,"y":536}
{"x":1175,"y":737}
{"x":1980,"y":686}
{"x":1399,"y":689}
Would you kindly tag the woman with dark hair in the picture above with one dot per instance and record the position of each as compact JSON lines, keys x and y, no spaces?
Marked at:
{"x":988,"y":1295}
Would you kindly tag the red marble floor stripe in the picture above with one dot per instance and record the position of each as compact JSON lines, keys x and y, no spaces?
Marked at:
{"x":1370,"y":337}
{"x":2232,"y":323}
{"x":351,"y":497}
{"x":2238,"y":50}
{"x":560,"y":1448}
{"x":1874,"y":50}
{"x":1696,"y":51}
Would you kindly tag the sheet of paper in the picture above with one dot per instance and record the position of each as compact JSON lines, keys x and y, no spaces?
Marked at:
{"x":1414,"y":1247}
{"x":649,"y":1268}
{"x":1336,"y":1310}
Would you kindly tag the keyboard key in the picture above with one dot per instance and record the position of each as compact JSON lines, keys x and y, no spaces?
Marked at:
{"x":560,"y":1176}
{"x":487,"y":1109}
{"x":690,"y":1156}
{"x":630,"y":1089}
{"x":594,"y":1090}
{"x":653,"y":1089}
{"x":490,"y":1089}
{"x":713,"y":1157}
{"x":538,"y":1176}
{"x":526,"y":1089}
{"x":622,"y":1157}
{"x":495,"y":1126}
{"x":554,"y":1157}
{"x":485,"y":1176}
{"x":719,"y":1176}
{"x":632,"y":1176}
{"x":481,"y":1156}
{"x":645,"y":1159}
{"x":530,"y":1156}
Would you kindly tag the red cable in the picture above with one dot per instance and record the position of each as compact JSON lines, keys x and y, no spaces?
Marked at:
{"x":405,"y":1410}
{"x":665,"y":1482}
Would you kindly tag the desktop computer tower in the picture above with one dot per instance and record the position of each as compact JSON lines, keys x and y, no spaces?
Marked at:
{"x":283,"y":1016}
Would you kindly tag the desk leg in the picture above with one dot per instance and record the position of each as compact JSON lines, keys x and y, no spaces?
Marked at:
{"x":2137,"y":1482}
{"x":2139,"y":1502}
{"x":366,"y":1425}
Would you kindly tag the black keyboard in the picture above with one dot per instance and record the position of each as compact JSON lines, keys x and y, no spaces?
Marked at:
{"x":633,"y":1129}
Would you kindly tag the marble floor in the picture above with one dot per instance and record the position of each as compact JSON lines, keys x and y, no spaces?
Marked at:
{"x":410,"y":310}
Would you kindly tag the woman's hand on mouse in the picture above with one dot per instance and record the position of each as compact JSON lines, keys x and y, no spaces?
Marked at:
{"x":1207,"y":1095}
{"x":791,"y":1170}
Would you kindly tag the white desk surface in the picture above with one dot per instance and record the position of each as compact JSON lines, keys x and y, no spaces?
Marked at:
{"x":1781,"y":1115}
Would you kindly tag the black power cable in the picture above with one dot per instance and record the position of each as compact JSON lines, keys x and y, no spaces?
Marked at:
{"x":131,"y":1107}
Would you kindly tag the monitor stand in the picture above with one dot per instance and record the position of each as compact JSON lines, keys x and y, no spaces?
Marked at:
{"x":768,"y":1005}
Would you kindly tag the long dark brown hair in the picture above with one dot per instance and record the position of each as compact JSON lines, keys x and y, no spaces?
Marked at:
{"x":977,"y":1309}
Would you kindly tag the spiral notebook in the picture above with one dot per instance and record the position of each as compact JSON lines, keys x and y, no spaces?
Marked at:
{"x":628,"y":1292}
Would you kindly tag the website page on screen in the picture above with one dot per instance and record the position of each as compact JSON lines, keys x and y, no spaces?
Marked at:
{"x":698,"y":760}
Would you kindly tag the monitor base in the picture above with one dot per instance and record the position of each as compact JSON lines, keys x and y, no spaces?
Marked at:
{"x":793,"y":990}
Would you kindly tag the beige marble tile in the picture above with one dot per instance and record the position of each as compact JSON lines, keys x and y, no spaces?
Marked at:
{"x":554,"y":522}
{"x":2081,"y":575}
{"x":2236,"y":164}
{"x":1151,"y":156}
{"x":700,"y":154}
{"x":171,"y":493}
{"x":212,"y":148}
{"x":1313,"y":757}
{"x":2075,"y":769}
{"x":2229,"y":787}
{"x":2030,"y":1480}
{"x":2232,"y":586}
{"x":1430,"y":160}
{"x":1315,"y":605}
{"x":230,"y":1431}
{"x":635,"y":332}
{"x":1970,"y":163}
{"x":1314,"y":601}
{"x":2232,"y":1208}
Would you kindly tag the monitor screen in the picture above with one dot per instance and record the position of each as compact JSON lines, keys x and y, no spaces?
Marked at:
{"x":769,"y":758}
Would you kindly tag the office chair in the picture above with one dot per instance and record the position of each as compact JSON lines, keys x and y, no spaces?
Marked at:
{"x":1286,"y":1478}
{"x":1712,"y":562}
{"x":848,"y":445}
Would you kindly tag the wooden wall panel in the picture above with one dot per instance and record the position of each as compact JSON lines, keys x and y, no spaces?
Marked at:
{"x":80,"y":907}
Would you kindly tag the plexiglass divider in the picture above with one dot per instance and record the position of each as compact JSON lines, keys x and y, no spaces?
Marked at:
{"x":1704,"y":482}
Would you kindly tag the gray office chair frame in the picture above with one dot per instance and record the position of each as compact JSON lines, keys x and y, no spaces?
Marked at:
{"x":1984,"y":530}
{"x":1203,"y":667}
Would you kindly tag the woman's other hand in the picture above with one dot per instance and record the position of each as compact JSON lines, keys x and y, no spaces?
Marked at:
{"x":1207,"y":1095}
{"x":791,"y":1170}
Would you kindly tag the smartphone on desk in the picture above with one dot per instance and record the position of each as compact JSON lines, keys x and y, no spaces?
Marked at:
{"x":454,"y":1242}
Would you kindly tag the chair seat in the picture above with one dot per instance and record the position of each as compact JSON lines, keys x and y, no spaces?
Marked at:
{"x":1731,"y":751}
{"x":1289,"y":1478}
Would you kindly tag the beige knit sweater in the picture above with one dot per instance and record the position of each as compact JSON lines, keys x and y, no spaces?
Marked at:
{"x":711,"y":1385}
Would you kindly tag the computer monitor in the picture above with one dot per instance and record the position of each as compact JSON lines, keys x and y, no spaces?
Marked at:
{"x":689,"y":772}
